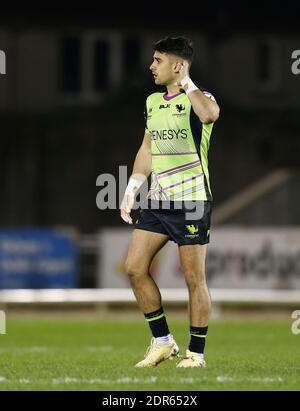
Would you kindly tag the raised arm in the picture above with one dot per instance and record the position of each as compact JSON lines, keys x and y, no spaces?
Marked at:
{"x":205,"y":107}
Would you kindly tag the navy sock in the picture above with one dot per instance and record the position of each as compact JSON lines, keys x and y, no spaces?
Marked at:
{"x":197,"y":341}
{"x":158,"y":323}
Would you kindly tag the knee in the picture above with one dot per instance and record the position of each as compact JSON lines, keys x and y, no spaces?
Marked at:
{"x":133,"y":270}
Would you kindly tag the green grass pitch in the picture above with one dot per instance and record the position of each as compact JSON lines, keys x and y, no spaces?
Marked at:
{"x":99,"y":355}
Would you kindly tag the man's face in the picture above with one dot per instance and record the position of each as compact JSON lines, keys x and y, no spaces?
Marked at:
{"x":165,"y":68}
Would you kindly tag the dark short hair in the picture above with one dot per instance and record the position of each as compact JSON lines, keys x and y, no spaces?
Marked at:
{"x":180,"y":46}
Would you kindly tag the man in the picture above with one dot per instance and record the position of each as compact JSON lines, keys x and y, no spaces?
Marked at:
{"x":179,"y":122}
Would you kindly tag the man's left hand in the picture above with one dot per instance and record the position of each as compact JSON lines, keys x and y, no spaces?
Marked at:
{"x":183,"y":72}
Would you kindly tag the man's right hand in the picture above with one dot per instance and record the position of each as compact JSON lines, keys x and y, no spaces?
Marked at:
{"x":135,"y":182}
{"x":126,"y":206}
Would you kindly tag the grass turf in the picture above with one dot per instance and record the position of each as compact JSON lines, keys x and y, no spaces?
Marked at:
{"x":96,"y":355}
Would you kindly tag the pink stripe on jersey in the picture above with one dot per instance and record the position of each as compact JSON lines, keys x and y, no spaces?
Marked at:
{"x":174,"y":154}
{"x":168,"y":98}
{"x":184,"y":181}
{"x":178,"y":167}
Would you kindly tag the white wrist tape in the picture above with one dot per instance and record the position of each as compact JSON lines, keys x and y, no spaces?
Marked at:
{"x":188,"y":85}
{"x":134,"y":184}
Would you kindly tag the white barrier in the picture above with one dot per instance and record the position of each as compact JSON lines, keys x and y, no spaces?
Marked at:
{"x":115,"y":295}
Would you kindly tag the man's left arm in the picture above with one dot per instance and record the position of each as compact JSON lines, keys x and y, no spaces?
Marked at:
{"x":205,"y":107}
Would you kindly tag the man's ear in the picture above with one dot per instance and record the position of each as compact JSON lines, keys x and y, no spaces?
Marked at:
{"x":177,"y":66}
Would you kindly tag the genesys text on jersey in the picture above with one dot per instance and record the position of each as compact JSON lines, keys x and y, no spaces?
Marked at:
{"x":168,"y":134}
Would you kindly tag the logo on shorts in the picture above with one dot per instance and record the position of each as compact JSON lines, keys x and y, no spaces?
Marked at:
{"x":192,"y":228}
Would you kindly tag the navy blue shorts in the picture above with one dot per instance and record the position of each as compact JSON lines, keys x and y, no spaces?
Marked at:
{"x":183,"y":225}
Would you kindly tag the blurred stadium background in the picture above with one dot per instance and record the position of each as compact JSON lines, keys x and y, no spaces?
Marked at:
{"x":71,"y":109}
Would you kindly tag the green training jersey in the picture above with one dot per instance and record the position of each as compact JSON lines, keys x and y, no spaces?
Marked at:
{"x":179,"y":147}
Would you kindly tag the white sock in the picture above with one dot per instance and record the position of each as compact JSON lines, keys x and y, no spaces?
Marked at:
{"x":165,"y":339}
{"x":197,"y":353}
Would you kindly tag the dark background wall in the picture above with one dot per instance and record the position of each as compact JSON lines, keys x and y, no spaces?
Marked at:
{"x":54,"y":145}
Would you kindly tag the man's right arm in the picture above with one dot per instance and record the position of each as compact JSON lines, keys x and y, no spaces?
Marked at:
{"x":141,"y":170}
{"x":142,"y":163}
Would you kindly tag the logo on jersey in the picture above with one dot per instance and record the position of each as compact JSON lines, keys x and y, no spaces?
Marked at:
{"x":180,"y":110}
{"x":164,"y":106}
{"x":180,"y":107}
